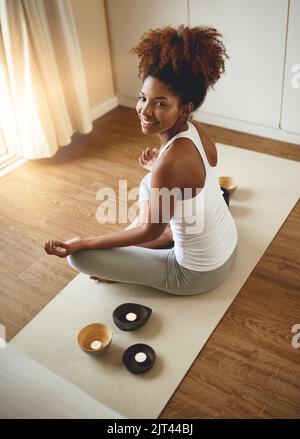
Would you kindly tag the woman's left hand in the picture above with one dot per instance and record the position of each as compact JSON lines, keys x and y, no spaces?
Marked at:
{"x":63,"y":248}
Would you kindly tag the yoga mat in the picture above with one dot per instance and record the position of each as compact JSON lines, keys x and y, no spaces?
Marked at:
{"x":268,"y":189}
{"x":31,"y":391}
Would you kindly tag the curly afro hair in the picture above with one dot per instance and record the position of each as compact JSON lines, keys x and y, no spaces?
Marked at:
{"x":188,"y":60}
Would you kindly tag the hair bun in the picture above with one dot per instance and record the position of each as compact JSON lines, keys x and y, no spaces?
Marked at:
{"x":198,"y":49}
{"x":188,"y":60}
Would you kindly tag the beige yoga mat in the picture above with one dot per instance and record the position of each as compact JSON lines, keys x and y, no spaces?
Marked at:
{"x":268,"y":189}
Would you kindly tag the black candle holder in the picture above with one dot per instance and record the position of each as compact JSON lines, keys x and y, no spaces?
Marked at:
{"x":121,"y":316}
{"x":226,"y":195}
{"x":139,"y":358}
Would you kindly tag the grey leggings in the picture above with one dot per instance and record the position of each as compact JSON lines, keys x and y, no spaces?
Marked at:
{"x":144,"y":266}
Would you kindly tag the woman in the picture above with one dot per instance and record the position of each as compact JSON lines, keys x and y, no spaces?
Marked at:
{"x":177,"y":67}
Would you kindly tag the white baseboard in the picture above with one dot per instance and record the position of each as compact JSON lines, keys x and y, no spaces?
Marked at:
{"x":13,"y":165}
{"x":126,"y":101}
{"x":104,"y":108}
{"x":250,"y":128}
{"x":233,"y":124}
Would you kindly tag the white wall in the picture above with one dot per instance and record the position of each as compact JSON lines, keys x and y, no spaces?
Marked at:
{"x":251,"y":88}
{"x":90,"y":19}
{"x":249,"y":96}
{"x":290,"y":120}
{"x":127,"y":21}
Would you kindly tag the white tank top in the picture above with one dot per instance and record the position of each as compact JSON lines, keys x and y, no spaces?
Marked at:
{"x":204,"y":231}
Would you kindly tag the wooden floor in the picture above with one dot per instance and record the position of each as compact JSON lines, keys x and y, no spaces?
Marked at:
{"x":248,"y":368}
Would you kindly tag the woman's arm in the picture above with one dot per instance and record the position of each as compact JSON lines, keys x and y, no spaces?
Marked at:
{"x":161,"y":211}
{"x":135,"y":236}
{"x":165,"y":240}
{"x":158,"y":209}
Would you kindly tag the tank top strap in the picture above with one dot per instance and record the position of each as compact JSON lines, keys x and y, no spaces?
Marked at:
{"x":166,"y":146}
{"x":182,"y":134}
{"x":193,"y":135}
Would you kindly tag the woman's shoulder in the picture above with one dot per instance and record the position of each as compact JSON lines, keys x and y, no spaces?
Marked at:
{"x":179,"y":152}
{"x":182,"y":164}
{"x":166,"y":172}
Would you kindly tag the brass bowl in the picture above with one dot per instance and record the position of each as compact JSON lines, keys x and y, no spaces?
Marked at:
{"x":95,"y":338}
{"x":139,"y":358}
{"x":228,"y":183}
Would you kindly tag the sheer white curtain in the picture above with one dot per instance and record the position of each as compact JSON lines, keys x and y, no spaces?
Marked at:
{"x":43,"y":92}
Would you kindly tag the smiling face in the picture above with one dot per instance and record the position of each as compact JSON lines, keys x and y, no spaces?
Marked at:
{"x":159,"y":109}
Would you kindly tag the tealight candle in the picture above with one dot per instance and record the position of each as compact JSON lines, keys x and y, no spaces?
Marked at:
{"x":140,"y":357}
{"x":96,"y":344}
{"x":131,"y":316}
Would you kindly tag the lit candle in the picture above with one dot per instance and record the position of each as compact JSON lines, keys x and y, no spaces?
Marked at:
{"x":96,"y":344}
{"x":140,"y":357}
{"x":131,"y":316}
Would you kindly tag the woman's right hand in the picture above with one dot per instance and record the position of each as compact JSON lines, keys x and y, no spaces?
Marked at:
{"x":64,"y":248}
{"x":148,"y":157}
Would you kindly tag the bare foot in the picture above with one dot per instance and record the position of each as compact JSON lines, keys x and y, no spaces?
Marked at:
{"x":100,"y":279}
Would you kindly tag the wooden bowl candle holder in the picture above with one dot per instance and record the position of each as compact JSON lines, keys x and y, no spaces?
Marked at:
{"x":95,"y":338}
{"x":228,"y":183}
